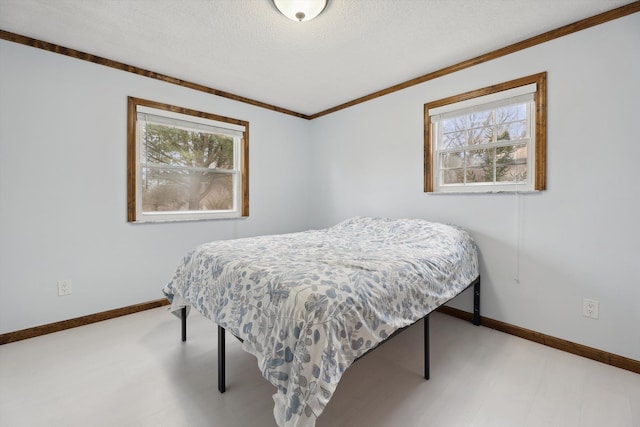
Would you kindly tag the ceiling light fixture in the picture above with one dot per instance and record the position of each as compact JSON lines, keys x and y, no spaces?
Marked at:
{"x":300,"y":10}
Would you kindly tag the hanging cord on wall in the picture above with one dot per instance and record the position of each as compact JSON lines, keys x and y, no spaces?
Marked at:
{"x":518,"y":233}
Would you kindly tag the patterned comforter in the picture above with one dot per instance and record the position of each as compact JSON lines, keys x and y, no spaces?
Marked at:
{"x":308,"y":304}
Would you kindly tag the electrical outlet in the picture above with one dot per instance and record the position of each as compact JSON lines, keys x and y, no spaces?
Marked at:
{"x":64,"y":287}
{"x":590,"y":308}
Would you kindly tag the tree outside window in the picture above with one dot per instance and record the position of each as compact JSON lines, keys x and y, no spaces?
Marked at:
{"x":188,"y":164}
{"x":488,"y":140}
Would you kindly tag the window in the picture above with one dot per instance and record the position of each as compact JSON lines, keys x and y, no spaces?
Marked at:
{"x":488,"y":140}
{"x":185,"y":164}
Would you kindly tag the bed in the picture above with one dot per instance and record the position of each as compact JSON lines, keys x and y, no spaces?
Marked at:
{"x":307,"y":305}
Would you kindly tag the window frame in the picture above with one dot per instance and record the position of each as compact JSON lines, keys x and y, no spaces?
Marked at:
{"x":539,"y":117}
{"x":134,"y":176}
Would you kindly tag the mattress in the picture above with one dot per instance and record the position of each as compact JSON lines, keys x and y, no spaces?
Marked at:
{"x":308,"y":304}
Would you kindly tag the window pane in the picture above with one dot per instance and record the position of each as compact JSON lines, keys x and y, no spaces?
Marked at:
{"x":512,"y":131}
{"x":514,"y":173}
{"x":453,"y":160}
{"x":178,"y":147}
{"x":185,"y":190}
{"x":453,"y":176}
{"x":473,"y":136}
{"x":480,"y":165}
{"x":454,"y":140}
{"x":470,"y":129}
{"x":511,"y":113}
{"x":511,"y":163}
{"x":481,"y":136}
{"x":480,"y":119}
{"x":468,"y":121}
{"x":450,"y":125}
{"x":452,"y":165}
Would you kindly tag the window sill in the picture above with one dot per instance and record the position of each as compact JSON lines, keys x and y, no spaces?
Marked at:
{"x":486,"y":191}
{"x":186,"y":217}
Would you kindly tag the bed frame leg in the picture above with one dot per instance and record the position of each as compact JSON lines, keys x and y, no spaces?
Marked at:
{"x":221,"y":352}
{"x":183,"y":318}
{"x":476,"y":303}
{"x":426,"y":347}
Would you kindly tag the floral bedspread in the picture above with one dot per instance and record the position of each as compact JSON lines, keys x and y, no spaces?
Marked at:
{"x":308,"y":304}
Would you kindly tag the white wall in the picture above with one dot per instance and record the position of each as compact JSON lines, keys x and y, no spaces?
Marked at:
{"x":63,"y":187}
{"x":580,"y":238}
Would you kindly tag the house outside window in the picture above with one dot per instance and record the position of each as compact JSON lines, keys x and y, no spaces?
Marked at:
{"x":488,"y":140}
{"x":185,"y":164}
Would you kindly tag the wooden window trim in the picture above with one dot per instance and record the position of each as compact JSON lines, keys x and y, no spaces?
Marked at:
{"x":540,"y":98}
{"x":132,"y":159}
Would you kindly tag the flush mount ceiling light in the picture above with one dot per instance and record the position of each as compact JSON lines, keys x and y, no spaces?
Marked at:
{"x":300,"y":10}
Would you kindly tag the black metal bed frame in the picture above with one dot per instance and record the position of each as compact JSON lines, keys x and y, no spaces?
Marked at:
{"x":221,"y":336}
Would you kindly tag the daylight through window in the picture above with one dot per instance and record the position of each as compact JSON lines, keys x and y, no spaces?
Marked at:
{"x":188,"y":165}
{"x":489,"y":140}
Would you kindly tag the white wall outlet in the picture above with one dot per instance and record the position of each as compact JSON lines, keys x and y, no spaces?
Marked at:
{"x":590,"y":308}
{"x":64,"y":287}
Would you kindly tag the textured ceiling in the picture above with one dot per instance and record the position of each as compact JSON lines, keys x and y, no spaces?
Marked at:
{"x":247,"y":48}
